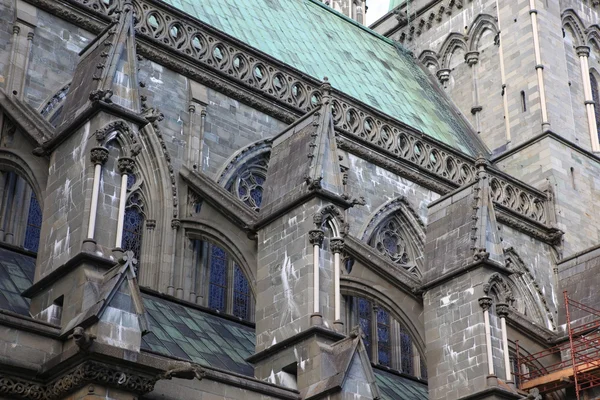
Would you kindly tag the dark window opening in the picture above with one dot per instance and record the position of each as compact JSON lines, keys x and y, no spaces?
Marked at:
{"x":523,"y":101}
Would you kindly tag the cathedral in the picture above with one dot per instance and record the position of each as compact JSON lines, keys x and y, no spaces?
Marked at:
{"x":267,"y":199}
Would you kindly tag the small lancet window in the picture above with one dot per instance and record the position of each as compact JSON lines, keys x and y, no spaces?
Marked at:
{"x":523,"y":101}
{"x":133,"y":225}
{"x":227,"y":288}
{"x":34,"y":225}
{"x":382,"y":333}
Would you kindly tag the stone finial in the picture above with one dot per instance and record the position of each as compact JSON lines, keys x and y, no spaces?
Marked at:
{"x":481,"y":163}
{"x":325,"y":89}
{"x":125,"y":165}
{"x":583,"y":51}
{"x":336,"y":245}
{"x":316,"y":236}
{"x":99,"y":155}
{"x":485,"y":303}
{"x":502,"y":310}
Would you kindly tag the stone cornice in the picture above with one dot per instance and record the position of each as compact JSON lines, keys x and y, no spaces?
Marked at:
{"x":368,"y":256}
{"x":192,"y":56}
{"x":522,"y":324}
{"x":547,"y":134}
{"x":29,"y":121}
{"x":221,"y":199}
{"x":88,"y":372}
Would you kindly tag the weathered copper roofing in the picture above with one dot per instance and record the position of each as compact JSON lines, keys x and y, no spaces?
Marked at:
{"x":320,"y":42}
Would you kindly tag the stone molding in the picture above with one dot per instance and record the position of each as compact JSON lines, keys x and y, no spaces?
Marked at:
{"x":191,"y":51}
{"x":89,"y":372}
{"x":336,"y":245}
{"x":99,"y":155}
{"x":316,"y":236}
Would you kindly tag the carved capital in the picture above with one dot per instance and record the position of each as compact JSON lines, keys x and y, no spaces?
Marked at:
{"x":443,"y":75}
{"x":126,"y":165}
{"x":175,"y":224}
{"x":316,"y":236}
{"x":472,"y":58}
{"x":502,"y":310}
{"x":16,"y":29}
{"x":150,"y":223}
{"x":485,"y":303}
{"x":99,"y":155}
{"x":336,"y":245}
{"x":583,"y":51}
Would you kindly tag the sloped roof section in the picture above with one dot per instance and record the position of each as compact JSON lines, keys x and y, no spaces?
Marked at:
{"x":198,"y":336}
{"x":393,"y":387}
{"x":16,"y":275}
{"x":323,"y":43}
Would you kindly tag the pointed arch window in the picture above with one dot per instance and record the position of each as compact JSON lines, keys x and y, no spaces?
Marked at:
{"x":20,"y":212}
{"x":34,"y":225}
{"x":227,"y":288}
{"x":596,"y":98}
{"x":386,"y":339}
{"x":132,"y":231}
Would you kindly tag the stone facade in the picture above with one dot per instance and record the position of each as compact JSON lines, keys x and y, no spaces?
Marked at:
{"x":213,"y":223}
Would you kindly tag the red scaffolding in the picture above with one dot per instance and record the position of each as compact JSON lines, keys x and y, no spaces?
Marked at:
{"x":579,"y":364}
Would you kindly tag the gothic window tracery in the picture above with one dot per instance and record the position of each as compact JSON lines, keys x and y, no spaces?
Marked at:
{"x":247,"y":184}
{"x":389,"y":240}
{"x":34,"y":225}
{"x":227,"y":288}
{"x":386,"y":339}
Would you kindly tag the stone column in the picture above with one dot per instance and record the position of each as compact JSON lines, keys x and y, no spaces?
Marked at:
{"x":472,"y":60}
{"x":583,"y":52}
{"x":99,"y":156}
{"x":315,"y":238}
{"x":539,"y":67}
{"x":502,"y":312}
{"x":337,"y":246}
{"x":125,"y":165}
{"x":486,"y":303}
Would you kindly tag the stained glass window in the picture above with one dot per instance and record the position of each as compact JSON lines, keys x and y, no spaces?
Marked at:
{"x":406,"y":351}
{"x":596,"y":98}
{"x":389,"y":241}
{"x":365,"y":311}
{"x":34,"y":225}
{"x":384,"y":346}
{"x":217,"y":289}
{"x":248,"y":184}
{"x":132,"y":231}
{"x":241,"y":294}
{"x":130,"y":181}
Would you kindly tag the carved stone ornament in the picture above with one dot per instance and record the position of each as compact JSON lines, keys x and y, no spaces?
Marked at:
{"x":101,"y":95}
{"x":316,"y":236}
{"x":126,"y":165}
{"x":318,"y":219}
{"x":99,"y":155}
{"x":485,"y":303}
{"x":121,"y":126}
{"x":502,"y":310}
{"x":336,"y":245}
{"x":84,"y":374}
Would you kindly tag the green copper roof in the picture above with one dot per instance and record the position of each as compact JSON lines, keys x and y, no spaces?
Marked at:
{"x":321,"y":42}
{"x":391,"y":386}
{"x":395,"y":3}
